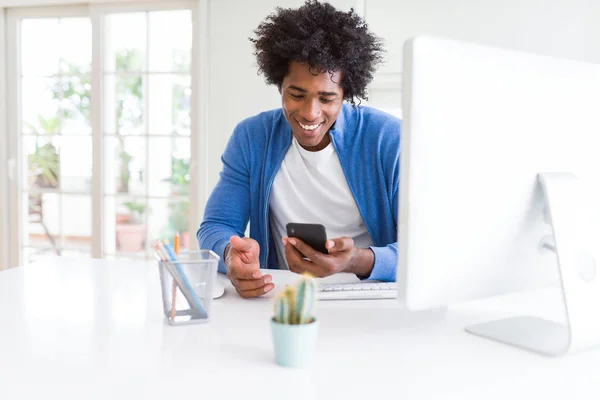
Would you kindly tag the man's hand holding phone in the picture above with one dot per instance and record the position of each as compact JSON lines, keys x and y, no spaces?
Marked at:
{"x":336,"y":255}
{"x":303,"y":258}
{"x":243,"y":268}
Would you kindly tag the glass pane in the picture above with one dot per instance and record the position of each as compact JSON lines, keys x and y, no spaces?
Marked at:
{"x":76,"y":225}
{"x":108,"y":222}
{"x":168,"y":172}
{"x":124,"y":104}
{"x":115,"y":178}
{"x":166,"y":217}
{"x":40,"y":47}
{"x":40,"y":99}
{"x":77,"y":249}
{"x":130,"y":225}
{"x":169,"y":104}
{"x":75,"y":38}
{"x":41,"y":161}
{"x":42,"y":226}
{"x":170,"y":40}
{"x":178,"y":222}
{"x":158,"y":220}
{"x":125,"y":42}
{"x":76,"y":164}
{"x":125,"y":165}
{"x":76,"y":92}
{"x":32,"y":254}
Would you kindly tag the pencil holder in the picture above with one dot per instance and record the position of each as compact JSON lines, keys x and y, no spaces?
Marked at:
{"x":187,"y":286}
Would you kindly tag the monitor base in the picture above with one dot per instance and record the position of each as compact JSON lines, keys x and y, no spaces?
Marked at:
{"x":528,"y":333}
{"x":574,"y":213}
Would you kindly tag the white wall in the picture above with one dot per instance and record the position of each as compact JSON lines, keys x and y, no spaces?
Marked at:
{"x":3,"y":159}
{"x":236,"y":91}
{"x":564,"y":28}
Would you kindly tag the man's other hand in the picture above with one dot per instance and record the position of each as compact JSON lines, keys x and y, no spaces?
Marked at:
{"x":243,"y":268}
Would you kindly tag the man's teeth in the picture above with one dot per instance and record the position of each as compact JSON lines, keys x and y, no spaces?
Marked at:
{"x":309,"y":127}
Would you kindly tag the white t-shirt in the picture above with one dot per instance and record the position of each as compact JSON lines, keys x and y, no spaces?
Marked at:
{"x":310,"y":187}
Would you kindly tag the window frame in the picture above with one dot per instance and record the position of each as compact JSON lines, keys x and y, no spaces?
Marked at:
{"x":10,"y":245}
{"x":13,"y":34}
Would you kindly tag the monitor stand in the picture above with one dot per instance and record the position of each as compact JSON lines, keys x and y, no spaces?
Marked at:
{"x":575,"y":222}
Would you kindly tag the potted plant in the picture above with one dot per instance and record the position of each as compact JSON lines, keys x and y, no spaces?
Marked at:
{"x":43,"y":172}
{"x":44,"y":162}
{"x":294,"y":327}
{"x":124,"y":174}
{"x":180,"y":176}
{"x":131,"y":232}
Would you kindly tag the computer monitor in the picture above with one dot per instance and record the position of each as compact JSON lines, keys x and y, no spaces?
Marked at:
{"x":500,"y":160}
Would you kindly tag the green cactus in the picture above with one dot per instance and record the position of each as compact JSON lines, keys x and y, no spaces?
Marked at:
{"x":295,"y":304}
{"x":305,"y":300}
{"x":290,"y":296}
{"x":282,"y":310}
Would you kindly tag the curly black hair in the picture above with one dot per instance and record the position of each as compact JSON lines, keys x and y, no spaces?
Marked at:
{"x":323,"y":37}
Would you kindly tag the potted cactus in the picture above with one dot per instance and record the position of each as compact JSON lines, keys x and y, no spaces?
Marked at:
{"x":293,"y":325}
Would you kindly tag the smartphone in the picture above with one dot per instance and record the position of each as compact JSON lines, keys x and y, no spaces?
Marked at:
{"x":313,"y":235}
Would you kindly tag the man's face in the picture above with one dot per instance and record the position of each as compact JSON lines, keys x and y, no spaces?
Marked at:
{"x":311,"y":103}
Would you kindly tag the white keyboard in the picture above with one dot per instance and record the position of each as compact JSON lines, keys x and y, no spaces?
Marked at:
{"x":357,"y":291}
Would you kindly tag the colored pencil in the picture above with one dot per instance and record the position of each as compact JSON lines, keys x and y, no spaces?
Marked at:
{"x":174,"y":291}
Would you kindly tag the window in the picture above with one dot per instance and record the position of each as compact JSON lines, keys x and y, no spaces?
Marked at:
{"x":146,"y":74}
{"x":55,"y":136}
{"x":100,"y":129}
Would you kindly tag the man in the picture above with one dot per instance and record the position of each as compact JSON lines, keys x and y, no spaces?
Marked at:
{"x":315,"y":160}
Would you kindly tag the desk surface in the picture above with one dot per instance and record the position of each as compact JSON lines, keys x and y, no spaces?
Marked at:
{"x":93,"y":329}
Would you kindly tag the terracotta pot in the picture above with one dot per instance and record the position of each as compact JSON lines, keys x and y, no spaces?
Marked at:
{"x":122,"y":218}
{"x":130,"y":238}
{"x":185,"y":240}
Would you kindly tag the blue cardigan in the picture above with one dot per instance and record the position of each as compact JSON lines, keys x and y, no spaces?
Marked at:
{"x":367,"y":142}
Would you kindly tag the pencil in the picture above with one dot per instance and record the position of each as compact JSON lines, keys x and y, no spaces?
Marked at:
{"x":174,"y":294}
{"x":158,"y":252}
{"x":176,"y":243}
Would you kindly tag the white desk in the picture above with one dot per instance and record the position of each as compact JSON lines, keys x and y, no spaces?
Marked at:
{"x":93,"y":329}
